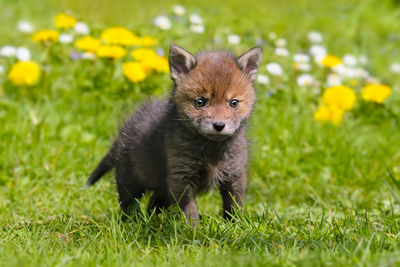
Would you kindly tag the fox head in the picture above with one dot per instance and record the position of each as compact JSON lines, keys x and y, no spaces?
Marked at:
{"x":213,"y":91}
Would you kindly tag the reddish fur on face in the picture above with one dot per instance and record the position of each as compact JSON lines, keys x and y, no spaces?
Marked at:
{"x":218,"y":79}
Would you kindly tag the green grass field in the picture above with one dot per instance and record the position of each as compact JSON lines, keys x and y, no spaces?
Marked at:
{"x":316,"y":193}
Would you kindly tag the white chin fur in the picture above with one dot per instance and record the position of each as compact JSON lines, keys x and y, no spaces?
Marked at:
{"x":215,"y":135}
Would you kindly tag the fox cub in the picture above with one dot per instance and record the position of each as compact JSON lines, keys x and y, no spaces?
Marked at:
{"x":194,"y":140}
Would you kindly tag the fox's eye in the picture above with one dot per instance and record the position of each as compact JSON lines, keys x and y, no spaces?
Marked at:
{"x":234,"y":103}
{"x":201,"y":102}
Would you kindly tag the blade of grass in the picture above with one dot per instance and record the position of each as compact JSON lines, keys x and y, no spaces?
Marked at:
{"x":392,"y":176}
{"x":391,"y":191}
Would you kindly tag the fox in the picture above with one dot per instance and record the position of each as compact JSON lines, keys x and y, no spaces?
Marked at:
{"x":192,"y":141}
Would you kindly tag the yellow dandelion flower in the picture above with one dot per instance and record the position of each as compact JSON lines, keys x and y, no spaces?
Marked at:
{"x":120,"y":36}
{"x":156,"y":63}
{"x":46,"y":36}
{"x":24,"y":73}
{"x":331,"y":61}
{"x":376,"y":93}
{"x":134,"y":71}
{"x":148,"y":41}
{"x":339,"y":96}
{"x":88,"y":44}
{"x":151,"y":60}
{"x":111,"y":51}
{"x":64,"y":21}
{"x":143,"y":53}
{"x":333,"y":114}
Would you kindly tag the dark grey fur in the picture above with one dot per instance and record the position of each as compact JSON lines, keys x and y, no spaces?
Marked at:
{"x":157,"y":150}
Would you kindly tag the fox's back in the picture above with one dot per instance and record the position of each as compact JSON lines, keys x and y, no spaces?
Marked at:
{"x":146,"y":120}
{"x":141,"y":143}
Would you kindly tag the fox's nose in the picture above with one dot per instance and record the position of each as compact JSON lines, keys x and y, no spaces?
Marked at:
{"x":219,"y":126}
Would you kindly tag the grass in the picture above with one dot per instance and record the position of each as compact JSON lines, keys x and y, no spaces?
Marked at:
{"x":316,"y":194}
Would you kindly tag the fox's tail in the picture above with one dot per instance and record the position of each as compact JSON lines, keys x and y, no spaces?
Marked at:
{"x":105,"y":165}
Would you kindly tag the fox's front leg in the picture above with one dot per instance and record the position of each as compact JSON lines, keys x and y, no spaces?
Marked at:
{"x":184,"y":195}
{"x":233,"y":194}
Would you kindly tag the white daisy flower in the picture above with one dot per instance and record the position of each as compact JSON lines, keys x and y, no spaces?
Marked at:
{"x":82,"y":28}
{"x":305,"y":79}
{"x":88,"y":55}
{"x":364,"y":73}
{"x":333,"y":79}
{"x":162,"y":22}
{"x":301,"y":58}
{"x":25,"y":27}
{"x":373,"y":80}
{"x":302,"y":66}
{"x":23,"y":54}
{"x":272,"y":36}
{"x":197,"y":28}
{"x":275,"y":69}
{"x":282,"y":51}
{"x":178,"y":10}
{"x":195,"y":19}
{"x":8,"y":51}
{"x":65,"y":38}
{"x":281,"y":42}
{"x":361,"y":73}
{"x":350,"y":60}
{"x":340,"y":69}
{"x":2,"y":69}
{"x":315,"y":37}
{"x":350,"y":72}
{"x":395,"y":68}
{"x":363,"y":60}
{"x":354,"y":73}
{"x":262,"y":79}
{"x":318,"y":52}
{"x":233,"y":39}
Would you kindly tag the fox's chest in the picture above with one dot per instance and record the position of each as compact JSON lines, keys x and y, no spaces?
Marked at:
{"x":217,"y":174}
{"x":219,"y":167}
{"x":213,"y":173}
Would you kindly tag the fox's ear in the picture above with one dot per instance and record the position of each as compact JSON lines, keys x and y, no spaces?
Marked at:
{"x":250,"y":61}
{"x":180,"y":61}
